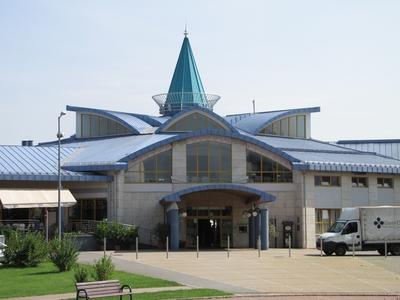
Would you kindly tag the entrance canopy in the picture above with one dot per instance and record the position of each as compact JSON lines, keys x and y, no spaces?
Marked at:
{"x":261,"y":195}
{"x":32,"y":198}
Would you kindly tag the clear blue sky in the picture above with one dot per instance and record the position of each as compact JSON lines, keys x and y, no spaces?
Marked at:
{"x":341,"y":55}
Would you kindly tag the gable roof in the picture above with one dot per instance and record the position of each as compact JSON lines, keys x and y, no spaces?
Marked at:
{"x":253,"y":123}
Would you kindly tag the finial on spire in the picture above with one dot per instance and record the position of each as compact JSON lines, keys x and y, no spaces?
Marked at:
{"x":185,"y":33}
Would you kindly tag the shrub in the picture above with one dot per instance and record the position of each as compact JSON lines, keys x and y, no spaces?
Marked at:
{"x":63,"y":253}
{"x":116,"y":233}
{"x":103,"y":268}
{"x":25,"y":249}
{"x":161,"y":231}
{"x":81,"y":273}
{"x":6,"y":230}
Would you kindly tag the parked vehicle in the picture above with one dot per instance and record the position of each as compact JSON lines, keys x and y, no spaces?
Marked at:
{"x":368,"y":228}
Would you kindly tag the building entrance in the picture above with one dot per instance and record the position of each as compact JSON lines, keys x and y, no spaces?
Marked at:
{"x":211,"y":224}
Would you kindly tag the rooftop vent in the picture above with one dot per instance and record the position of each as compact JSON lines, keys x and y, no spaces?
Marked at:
{"x":27,"y":143}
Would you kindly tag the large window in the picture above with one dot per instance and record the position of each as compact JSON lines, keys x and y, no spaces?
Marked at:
{"x":89,"y":209}
{"x":263,"y":169}
{"x":359,"y":182}
{"x":385,"y":183}
{"x":194,"y":121}
{"x":156,"y":169}
{"x":327,"y":180}
{"x":294,"y":126}
{"x":209,"y":162}
{"x":324,"y":218}
{"x":95,"y":126}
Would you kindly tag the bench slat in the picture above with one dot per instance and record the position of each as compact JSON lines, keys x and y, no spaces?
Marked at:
{"x":83,"y":284}
{"x":98,"y":289}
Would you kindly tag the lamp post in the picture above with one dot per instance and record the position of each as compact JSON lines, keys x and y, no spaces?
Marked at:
{"x":59,"y":136}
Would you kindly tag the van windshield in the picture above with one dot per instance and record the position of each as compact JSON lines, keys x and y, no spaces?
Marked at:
{"x":337,"y":226}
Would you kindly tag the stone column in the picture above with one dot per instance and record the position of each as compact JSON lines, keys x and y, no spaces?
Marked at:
{"x":251,"y":232}
{"x":264,"y":231}
{"x":173,"y":221}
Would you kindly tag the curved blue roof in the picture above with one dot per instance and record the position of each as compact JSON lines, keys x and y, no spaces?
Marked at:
{"x":187,"y":111}
{"x":253,"y":123}
{"x":134,"y":122}
{"x":176,"y":197}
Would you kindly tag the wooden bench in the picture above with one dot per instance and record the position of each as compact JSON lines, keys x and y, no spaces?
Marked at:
{"x":98,"y":289}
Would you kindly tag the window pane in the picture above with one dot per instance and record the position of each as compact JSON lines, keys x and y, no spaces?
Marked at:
{"x":94,"y":126}
{"x":202,"y":149}
{"x":354,"y":181}
{"x":317,"y":180}
{"x":292,"y":126}
{"x":285,"y":127}
{"x":269,"y":130}
{"x":301,"y":126}
{"x":335,"y":181}
{"x":276,"y":128}
{"x":85,"y":126}
{"x":103,"y":127}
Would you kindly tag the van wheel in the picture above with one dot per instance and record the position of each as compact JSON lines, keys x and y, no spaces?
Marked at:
{"x":340,"y":250}
{"x":395,"y":250}
{"x":328,"y":252}
{"x":381,"y":251}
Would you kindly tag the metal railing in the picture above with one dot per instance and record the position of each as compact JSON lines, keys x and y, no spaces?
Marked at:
{"x":24,"y":224}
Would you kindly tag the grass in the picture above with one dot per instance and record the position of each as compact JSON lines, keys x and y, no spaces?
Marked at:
{"x":45,"y":279}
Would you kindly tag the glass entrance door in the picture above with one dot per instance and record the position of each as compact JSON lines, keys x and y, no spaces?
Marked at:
{"x":212,"y":225}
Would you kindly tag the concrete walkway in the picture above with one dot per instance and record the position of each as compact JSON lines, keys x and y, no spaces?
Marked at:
{"x":73,"y":295}
{"x":274,"y":273}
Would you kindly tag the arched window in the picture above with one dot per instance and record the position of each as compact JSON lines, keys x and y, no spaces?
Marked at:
{"x":294,"y":126}
{"x":96,"y":126}
{"x":209,"y":162}
{"x":155,"y":169}
{"x":263,"y":169}
{"x":192,"y":122}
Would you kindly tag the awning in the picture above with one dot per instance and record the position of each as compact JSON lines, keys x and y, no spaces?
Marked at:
{"x":33,"y":198}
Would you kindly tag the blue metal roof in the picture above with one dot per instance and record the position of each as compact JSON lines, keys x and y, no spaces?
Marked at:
{"x":189,"y":110}
{"x":39,"y":164}
{"x":176,"y":197}
{"x":134,"y":122}
{"x":253,"y":123}
{"x":389,"y":148}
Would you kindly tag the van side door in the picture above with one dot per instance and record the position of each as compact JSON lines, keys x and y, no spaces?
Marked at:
{"x":352,"y":234}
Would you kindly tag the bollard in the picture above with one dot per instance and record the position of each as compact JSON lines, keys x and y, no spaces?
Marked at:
{"x":104,"y":245}
{"x":167,"y":246}
{"x":227,"y":253}
{"x":353,"y":248}
{"x":259,"y":246}
{"x":137,"y":247}
{"x":290,"y":246}
{"x":385,"y":249}
{"x":197,"y":246}
{"x":321,"y":240}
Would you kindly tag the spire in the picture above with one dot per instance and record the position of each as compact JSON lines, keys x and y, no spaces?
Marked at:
{"x":186,"y":88}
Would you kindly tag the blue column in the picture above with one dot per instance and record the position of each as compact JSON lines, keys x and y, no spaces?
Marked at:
{"x":173,"y":221}
{"x":251,"y":232}
{"x":264,"y":228}
{"x":256,"y":221}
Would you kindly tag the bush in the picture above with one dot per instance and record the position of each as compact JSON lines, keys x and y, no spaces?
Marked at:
{"x":6,"y":230}
{"x":116,"y":234}
{"x":25,"y":249}
{"x":103,"y":268}
{"x":81,"y":273}
{"x":161,"y":231}
{"x":63,"y":254}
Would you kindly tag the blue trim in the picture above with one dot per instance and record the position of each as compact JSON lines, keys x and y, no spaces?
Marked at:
{"x":101,"y":167}
{"x":190,"y":110}
{"x":39,"y":177}
{"x":176,"y":197}
{"x":383,"y":141}
{"x":105,"y":113}
{"x":207,"y":132}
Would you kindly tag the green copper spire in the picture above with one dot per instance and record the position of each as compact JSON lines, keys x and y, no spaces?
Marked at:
{"x":186,"y":89}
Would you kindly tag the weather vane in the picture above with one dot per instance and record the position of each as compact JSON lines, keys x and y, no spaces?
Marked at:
{"x":185,"y":33}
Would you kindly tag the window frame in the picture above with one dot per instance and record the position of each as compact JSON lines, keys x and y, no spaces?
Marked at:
{"x":355,"y":181}
{"x":385,"y":179}
{"x":318,"y":182}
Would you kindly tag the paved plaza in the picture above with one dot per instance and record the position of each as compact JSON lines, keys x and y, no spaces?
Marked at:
{"x":274,"y":273}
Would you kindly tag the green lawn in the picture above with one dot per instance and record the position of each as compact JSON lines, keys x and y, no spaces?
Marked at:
{"x":45,"y":279}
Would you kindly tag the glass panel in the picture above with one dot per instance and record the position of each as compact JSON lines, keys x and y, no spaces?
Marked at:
{"x":301,"y":126}
{"x":103,"y":126}
{"x":292,"y":126}
{"x":194,"y":121}
{"x":112,"y":127}
{"x":285,"y":127}
{"x":85,"y":126}
{"x":276,"y":128}
{"x":269,"y":130}
{"x":101,"y":209}
{"x":335,"y":181}
{"x":94,"y":126}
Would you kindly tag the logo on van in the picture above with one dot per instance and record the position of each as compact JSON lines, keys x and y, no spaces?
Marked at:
{"x":379,"y":223}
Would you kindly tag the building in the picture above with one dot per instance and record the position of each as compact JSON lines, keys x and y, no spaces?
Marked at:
{"x":201,"y":173}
